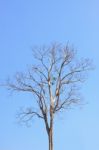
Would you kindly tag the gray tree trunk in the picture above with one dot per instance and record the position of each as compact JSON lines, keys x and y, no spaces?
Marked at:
{"x":51,"y":130}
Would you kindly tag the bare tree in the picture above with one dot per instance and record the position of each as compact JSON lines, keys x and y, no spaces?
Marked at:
{"x":53,"y":80}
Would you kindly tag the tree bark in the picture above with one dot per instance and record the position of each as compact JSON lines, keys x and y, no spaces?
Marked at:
{"x":51,"y":130}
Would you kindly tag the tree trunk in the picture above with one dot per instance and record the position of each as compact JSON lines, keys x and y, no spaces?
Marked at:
{"x":51,"y":131}
{"x":51,"y":139}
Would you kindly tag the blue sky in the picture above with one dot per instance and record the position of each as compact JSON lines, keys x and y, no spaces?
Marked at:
{"x":24,"y":24}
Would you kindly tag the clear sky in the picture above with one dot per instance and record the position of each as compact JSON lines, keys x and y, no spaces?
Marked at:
{"x":24,"y":24}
